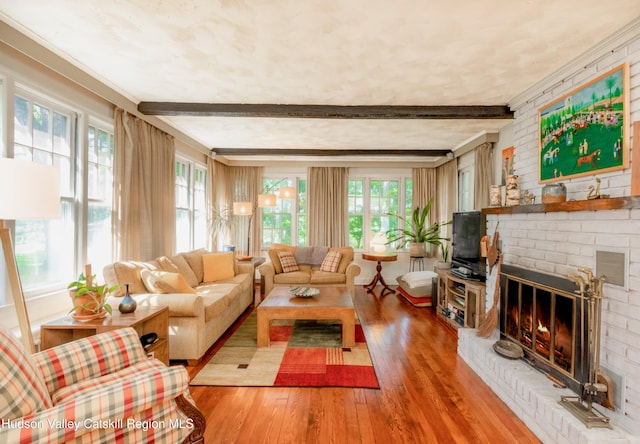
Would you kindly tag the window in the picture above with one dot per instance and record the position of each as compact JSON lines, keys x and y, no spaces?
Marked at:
{"x":285,"y":223}
{"x":191,"y":217}
{"x":43,"y":133}
{"x":465,"y":189}
{"x":370,"y":201}
{"x":100,"y":148}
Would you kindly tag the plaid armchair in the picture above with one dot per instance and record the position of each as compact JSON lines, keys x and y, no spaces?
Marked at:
{"x":102,"y":388}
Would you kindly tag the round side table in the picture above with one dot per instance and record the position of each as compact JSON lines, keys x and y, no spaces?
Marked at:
{"x":378,"y":279}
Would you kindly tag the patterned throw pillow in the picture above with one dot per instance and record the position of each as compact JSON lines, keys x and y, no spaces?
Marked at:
{"x":23,"y":388}
{"x":331,"y":261}
{"x":287,"y":261}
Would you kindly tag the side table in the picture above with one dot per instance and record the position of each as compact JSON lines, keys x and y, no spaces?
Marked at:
{"x":379,"y":258}
{"x":144,"y":320}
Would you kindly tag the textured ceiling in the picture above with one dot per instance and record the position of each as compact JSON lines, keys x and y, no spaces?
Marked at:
{"x":320,"y":52}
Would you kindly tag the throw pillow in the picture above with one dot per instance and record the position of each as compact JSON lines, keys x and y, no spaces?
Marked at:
{"x":178,"y":264}
{"x":347,"y":257}
{"x":23,"y":390}
{"x":194,"y":259}
{"x":165,"y":282}
{"x":288,"y":262}
{"x":218,"y":266}
{"x":155,"y":283}
{"x":331,"y":261}
{"x":176,"y":281}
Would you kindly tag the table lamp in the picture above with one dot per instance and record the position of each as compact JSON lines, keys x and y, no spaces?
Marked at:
{"x":28,"y":190}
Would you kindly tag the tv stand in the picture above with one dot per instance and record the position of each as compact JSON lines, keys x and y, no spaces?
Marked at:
{"x":460,"y":300}
{"x":467,"y":274}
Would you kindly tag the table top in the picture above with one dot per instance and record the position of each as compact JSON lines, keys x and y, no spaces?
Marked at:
{"x":116,"y":319}
{"x":336,"y":297}
{"x":380,"y":257}
{"x":255,"y":260}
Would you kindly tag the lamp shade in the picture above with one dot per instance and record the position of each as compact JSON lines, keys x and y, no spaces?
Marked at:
{"x":28,"y":190}
{"x":266,"y":200}
{"x":242,"y":209}
{"x":287,"y":193}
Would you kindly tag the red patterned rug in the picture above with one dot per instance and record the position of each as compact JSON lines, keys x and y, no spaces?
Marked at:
{"x":302,"y":354}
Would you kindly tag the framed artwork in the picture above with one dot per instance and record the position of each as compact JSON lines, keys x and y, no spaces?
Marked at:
{"x":585,"y":132}
{"x":507,"y":163}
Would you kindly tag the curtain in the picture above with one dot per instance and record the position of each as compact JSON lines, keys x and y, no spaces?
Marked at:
{"x":424,"y":189}
{"x":144,"y":208}
{"x":238,"y":184}
{"x":447,"y":183}
{"x":483,"y":174}
{"x":327,"y":194}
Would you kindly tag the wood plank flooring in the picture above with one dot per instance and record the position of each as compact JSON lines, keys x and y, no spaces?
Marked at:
{"x":427,"y":395}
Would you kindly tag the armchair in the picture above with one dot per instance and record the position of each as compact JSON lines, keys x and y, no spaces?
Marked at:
{"x":102,"y":388}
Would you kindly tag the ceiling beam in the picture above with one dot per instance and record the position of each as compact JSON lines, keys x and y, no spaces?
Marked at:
{"x":325,"y":111}
{"x":326,"y":152}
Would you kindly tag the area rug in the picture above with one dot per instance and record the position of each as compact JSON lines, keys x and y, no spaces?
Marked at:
{"x":302,"y":354}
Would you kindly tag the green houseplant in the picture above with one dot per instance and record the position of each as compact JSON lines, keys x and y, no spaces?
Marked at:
{"x":417,"y":232}
{"x":88,"y":298}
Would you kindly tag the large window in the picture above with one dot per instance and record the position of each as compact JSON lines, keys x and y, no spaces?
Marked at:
{"x":45,"y":250}
{"x":285,"y":223}
{"x":191,"y":217}
{"x":370,"y":202}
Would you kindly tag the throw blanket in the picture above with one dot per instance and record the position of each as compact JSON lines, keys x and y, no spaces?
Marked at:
{"x":310,"y":255}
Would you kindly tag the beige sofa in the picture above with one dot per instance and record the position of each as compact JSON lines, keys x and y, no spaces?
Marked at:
{"x":205,"y":292}
{"x":309,"y":261}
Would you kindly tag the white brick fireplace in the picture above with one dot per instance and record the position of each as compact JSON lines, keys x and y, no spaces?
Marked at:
{"x":557,"y":243}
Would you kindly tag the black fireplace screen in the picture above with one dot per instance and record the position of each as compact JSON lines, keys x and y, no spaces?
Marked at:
{"x":542,"y":314}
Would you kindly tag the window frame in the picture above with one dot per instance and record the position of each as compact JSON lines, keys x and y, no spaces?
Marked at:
{"x":195,"y":169}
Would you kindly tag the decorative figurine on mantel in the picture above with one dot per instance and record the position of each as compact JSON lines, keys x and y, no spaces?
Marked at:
{"x":594,"y":193}
{"x":528,"y":198}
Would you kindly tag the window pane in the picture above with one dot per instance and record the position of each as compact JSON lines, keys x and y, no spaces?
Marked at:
{"x":44,"y":250}
{"x":61,"y":134}
{"x":183,"y":230}
{"x":99,"y":235}
{"x":355,"y":231}
{"x":22,"y":133}
{"x":41,"y":130}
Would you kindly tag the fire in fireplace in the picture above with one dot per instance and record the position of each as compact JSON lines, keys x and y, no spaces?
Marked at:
{"x":542,"y":314}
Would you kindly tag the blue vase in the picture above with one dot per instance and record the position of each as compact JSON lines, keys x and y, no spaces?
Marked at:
{"x":128,"y":304}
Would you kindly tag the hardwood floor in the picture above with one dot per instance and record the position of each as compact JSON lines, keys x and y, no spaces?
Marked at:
{"x":427,"y":393}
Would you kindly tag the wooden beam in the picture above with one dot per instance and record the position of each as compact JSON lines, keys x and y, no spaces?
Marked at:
{"x":325,"y":111}
{"x":326,"y":152}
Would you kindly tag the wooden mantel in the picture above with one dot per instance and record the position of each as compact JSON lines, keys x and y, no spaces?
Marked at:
{"x":614,"y":203}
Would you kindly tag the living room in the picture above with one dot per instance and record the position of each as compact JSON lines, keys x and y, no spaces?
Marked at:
{"x":556,"y":243}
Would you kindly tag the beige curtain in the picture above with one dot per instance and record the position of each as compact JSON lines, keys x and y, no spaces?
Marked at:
{"x":424,"y":189}
{"x":238,"y":184}
{"x":483,"y":174}
{"x":327,"y":193}
{"x":144,"y":209}
{"x":447,"y":184}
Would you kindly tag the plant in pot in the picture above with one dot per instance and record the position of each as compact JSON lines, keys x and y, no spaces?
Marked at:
{"x":417,"y":232}
{"x":443,"y":263}
{"x":222,"y":223}
{"x":89,"y":299}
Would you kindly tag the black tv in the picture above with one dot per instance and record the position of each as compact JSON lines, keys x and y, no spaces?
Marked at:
{"x":466,"y":257}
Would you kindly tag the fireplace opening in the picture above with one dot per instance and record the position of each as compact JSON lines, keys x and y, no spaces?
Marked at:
{"x":543,"y":314}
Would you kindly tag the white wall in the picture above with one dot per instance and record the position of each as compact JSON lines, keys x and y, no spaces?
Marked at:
{"x":560,"y":242}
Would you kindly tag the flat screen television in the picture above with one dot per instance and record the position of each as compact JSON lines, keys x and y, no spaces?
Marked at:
{"x":466,"y":257}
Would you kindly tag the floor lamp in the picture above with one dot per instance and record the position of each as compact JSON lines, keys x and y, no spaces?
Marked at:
{"x":28,"y":190}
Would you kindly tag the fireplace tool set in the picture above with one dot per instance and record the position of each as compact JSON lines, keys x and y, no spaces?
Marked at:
{"x":593,"y":390}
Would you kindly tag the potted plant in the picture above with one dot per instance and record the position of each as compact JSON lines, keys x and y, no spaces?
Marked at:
{"x":444,"y":263}
{"x":222,"y":223}
{"x":89,"y":300}
{"x":417,"y":232}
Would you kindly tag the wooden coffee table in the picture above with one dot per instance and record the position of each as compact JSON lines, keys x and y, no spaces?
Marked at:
{"x":331,"y":303}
